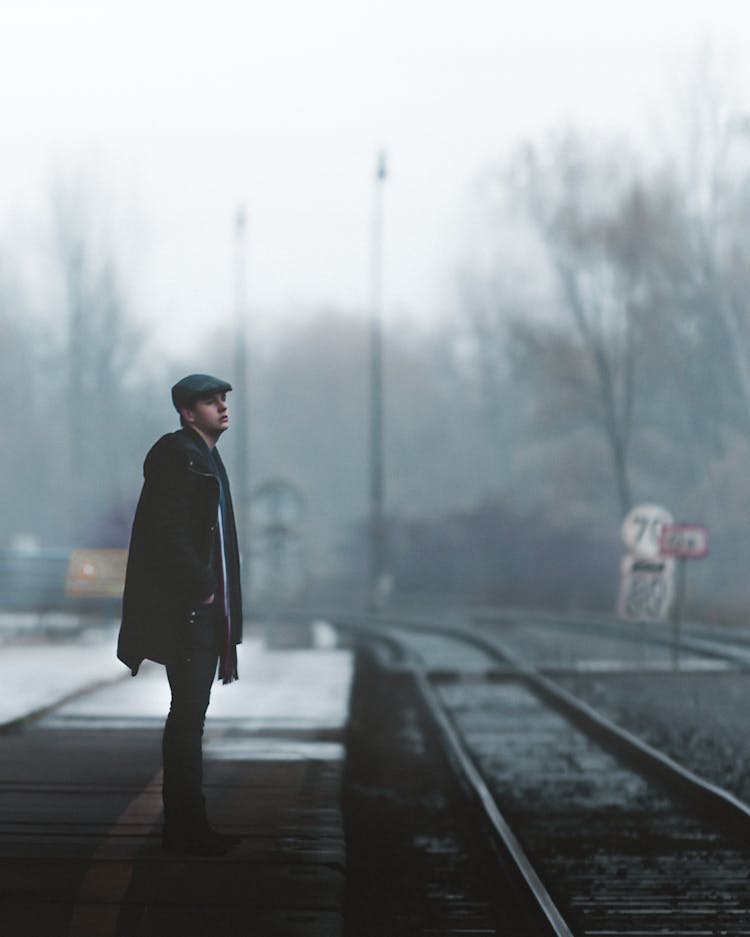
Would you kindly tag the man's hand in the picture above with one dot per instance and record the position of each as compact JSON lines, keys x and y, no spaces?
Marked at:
{"x":209,"y":600}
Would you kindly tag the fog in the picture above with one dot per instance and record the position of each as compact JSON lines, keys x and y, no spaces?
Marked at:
{"x":565,"y":317}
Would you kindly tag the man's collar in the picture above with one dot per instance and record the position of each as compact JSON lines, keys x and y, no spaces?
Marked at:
{"x":201,"y":447}
{"x":199,"y":435}
{"x":195,"y":437}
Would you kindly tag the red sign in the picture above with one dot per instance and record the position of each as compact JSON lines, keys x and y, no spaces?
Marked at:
{"x":686,"y":541}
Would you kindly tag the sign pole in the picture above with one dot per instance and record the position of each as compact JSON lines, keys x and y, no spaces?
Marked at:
{"x":683,"y":542}
{"x":378,"y":560}
{"x":679,"y":604}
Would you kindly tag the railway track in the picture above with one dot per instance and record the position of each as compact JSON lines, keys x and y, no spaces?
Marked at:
{"x":606,"y":835}
{"x":645,"y":644}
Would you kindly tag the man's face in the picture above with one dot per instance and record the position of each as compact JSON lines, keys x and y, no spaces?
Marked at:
{"x":209,"y":415}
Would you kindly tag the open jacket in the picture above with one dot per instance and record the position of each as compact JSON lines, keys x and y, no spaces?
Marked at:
{"x":170,"y":569}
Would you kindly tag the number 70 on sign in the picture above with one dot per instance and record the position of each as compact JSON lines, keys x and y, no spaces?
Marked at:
{"x":642,"y":527}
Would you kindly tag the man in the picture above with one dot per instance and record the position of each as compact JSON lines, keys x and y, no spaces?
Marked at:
{"x":182,"y":605}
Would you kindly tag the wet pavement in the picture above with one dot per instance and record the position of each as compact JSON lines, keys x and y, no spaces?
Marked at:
{"x":80,"y":802}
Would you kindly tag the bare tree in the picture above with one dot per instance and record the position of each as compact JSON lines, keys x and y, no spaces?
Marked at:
{"x":576,"y":203}
{"x":712,"y":169}
{"x":489,"y":305}
{"x":101,"y":348}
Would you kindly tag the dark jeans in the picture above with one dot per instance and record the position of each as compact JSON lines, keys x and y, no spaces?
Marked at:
{"x":190,"y":677}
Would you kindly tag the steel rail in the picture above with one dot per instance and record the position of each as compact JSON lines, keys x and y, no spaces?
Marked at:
{"x":532,"y":890}
{"x":712,"y":801}
{"x":698,"y":641}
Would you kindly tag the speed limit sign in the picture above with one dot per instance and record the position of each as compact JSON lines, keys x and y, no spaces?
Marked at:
{"x":642,"y":529}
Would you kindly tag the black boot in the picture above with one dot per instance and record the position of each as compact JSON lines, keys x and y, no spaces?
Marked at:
{"x":197,"y":841}
{"x":188,"y":833}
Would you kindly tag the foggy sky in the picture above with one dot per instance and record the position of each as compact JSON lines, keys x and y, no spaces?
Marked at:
{"x":177,"y":112}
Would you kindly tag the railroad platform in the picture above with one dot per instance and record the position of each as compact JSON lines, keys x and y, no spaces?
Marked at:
{"x":80,"y":806}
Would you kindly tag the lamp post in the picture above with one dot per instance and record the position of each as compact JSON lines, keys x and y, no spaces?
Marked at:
{"x":378,"y":576}
{"x":241,"y":408}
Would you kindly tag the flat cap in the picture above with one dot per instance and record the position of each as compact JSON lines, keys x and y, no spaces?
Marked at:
{"x":189,"y":389}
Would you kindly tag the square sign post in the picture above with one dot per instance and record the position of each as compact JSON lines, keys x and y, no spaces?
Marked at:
{"x":684,"y":542}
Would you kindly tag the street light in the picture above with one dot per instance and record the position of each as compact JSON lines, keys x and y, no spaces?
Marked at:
{"x":241,"y":428}
{"x":378,"y":567}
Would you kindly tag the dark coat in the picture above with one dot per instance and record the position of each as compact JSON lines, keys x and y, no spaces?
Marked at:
{"x":170,"y":569}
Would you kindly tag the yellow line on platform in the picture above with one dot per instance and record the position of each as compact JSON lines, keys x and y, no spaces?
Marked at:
{"x":111,"y":870}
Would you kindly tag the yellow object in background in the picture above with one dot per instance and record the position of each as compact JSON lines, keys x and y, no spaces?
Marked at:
{"x":99,"y":574}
